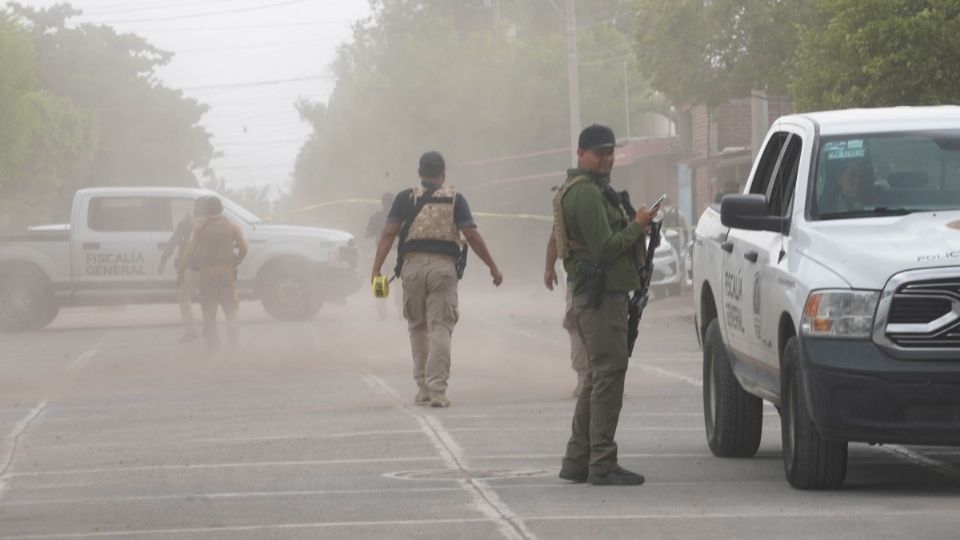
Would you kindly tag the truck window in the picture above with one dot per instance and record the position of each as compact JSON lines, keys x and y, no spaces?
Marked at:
{"x":180,"y":208}
{"x":768,"y":163}
{"x":887,"y":174}
{"x":780,"y":191}
{"x":129,"y":214}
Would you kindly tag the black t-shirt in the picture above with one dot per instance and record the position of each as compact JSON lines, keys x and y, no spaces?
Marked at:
{"x":402,"y":211}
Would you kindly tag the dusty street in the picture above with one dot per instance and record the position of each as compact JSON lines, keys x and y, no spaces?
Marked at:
{"x":110,"y":428}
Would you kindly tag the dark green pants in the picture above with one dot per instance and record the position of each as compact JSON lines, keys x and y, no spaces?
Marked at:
{"x":604,"y":331}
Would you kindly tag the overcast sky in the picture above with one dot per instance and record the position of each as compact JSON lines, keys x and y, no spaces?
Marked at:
{"x":233,"y":55}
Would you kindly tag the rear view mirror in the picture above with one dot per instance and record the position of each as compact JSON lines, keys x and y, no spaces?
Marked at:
{"x":749,"y":212}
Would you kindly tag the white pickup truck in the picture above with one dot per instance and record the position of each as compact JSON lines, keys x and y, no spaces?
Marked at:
{"x":110,"y":254}
{"x":831,"y":288}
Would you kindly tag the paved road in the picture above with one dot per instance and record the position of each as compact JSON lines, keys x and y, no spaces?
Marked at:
{"x":110,"y":429}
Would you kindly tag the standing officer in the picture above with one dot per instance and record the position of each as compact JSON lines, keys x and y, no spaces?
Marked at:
{"x":211,"y":252}
{"x":578,"y":351}
{"x":432,"y":219}
{"x":598,"y":247}
{"x":188,"y":278}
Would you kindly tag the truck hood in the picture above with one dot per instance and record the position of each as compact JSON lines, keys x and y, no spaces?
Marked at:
{"x":269,"y":232}
{"x":866,"y":252}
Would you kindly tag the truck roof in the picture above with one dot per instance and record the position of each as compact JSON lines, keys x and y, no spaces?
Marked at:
{"x":883,"y":120}
{"x":146,"y":191}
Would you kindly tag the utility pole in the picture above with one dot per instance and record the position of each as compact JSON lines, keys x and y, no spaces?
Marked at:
{"x":573,"y":78}
{"x":496,"y":13}
{"x":626,"y":97}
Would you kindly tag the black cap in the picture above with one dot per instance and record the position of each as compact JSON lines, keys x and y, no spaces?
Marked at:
{"x":597,"y":136}
{"x":432,"y":165}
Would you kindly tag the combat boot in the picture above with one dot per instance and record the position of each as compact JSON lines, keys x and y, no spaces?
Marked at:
{"x":439,"y":400}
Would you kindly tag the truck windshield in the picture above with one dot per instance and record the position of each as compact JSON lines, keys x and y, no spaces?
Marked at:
{"x":241,"y":212}
{"x":887,"y":174}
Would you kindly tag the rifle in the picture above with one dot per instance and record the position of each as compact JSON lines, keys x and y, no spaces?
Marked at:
{"x":640,"y":297}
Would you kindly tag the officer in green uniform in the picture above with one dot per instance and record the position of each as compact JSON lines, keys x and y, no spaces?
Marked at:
{"x":600,"y":250}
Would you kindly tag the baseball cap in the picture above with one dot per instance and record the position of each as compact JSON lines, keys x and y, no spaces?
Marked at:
{"x":432,"y":164}
{"x":597,"y":136}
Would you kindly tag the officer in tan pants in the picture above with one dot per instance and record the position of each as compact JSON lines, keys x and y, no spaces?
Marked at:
{"x":215,"y":249}
{"x":578,"y":350}
{"x":430,"y":220}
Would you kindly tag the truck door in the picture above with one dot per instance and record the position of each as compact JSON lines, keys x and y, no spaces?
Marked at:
{"x":115,"y":253}
{"x":757,"y":256}
{"x":745,"y":253}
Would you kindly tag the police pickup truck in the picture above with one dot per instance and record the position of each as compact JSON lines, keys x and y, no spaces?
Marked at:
{"x":110,"y":253}
{"x":831,"y":288}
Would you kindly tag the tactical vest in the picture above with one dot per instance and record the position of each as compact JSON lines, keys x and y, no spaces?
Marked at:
{"x":564,"y":243}
{"x":436,"y":220}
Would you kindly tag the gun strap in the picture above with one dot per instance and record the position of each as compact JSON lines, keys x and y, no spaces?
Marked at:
{"x":405,"y":230}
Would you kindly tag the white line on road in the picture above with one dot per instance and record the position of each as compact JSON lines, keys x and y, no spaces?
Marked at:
{"x":251,"y":528}
{"x":88,"y":354}
{"x":666,"y":373}
{"x":485,"y":498}
{"x":210,"y":466}
{"x":917,"y":458}
{"x":13,"y":440}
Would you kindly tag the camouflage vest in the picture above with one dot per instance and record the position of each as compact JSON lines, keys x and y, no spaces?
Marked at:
{"x":435,"y":221}
{"x":564,"y":243}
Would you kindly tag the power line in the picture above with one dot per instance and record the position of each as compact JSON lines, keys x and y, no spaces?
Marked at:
{"x":257,"y":46}
{"x":255,"y":83}
{"x":244,"y":27}
{"x":207,"y":14}
{"x":127,"y":8}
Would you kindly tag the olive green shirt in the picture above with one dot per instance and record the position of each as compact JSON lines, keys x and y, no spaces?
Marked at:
{"x":603,"y":231}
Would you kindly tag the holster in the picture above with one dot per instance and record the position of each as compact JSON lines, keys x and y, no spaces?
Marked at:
{"x":593,"y":282}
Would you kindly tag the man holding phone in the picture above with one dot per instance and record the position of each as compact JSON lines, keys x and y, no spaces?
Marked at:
{"x":597,"y":243}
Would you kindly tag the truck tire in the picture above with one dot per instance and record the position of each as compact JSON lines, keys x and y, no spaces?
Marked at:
{"x":809,"y":461}
{"x":732,"y":417}
{"x":289,"y":293}
{"x":27,"y":301}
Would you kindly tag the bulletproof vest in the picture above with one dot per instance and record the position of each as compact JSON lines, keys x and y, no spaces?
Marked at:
{"x":564,"y":244}
{"x":435,"y":221}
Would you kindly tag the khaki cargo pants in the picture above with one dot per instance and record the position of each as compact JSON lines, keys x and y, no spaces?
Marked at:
{"x":578,"y":351}
{"x":430,"y":307}
{"x":219,"y":290}
{"x":186,"y":288}
{"x":604,"y":332}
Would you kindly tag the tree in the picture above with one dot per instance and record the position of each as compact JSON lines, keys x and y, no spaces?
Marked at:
{"x":440,"y":74}
{"x":711,"y":51}
{"x":879,"y":53}
{"x":145,"y":132}
{"x":43,"y":137}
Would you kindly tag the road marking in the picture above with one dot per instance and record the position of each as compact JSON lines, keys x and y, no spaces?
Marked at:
{"x":917,"y":458}
{"x":214,"y":466}
{"x":312,"y":437}
{"x":88,"y":354}
{"x":660,"y":371}
{"x":485,"y":498}
{"x":14,"y":440}
{"x":846,"y":513}
{"x":251,"y":528}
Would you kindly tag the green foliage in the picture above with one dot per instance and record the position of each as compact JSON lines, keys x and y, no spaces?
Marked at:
{"x":875,"y":53}
{"x":710,"y":51}
{"x":85,"y":109}
{"x":439,"y":74}
{"x":16,"y":83}
{"x":254,"y":199}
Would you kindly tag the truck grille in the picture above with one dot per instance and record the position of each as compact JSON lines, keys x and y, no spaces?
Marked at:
{"x":926,"y":315}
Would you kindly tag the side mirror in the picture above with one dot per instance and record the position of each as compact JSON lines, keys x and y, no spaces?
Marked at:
{"x":749,"y":212}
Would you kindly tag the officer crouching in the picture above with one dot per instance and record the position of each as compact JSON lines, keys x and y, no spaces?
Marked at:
{"x":599,"y":247}
{"x":430,"y":219}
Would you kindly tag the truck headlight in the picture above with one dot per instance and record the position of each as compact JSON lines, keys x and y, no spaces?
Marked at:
{"x":839,"y":313}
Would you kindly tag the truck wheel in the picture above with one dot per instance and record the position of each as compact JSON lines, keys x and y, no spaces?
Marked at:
{"x":289,"y":294}
{"x":733,"y":418}
{"x":26,"y":300}
{"x":810,"y":462}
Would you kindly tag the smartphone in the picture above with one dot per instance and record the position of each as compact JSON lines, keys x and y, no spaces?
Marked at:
{"x":659,"y":202}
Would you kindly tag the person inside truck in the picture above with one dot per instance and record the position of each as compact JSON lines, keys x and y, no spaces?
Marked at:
{"x":848,"y":187}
